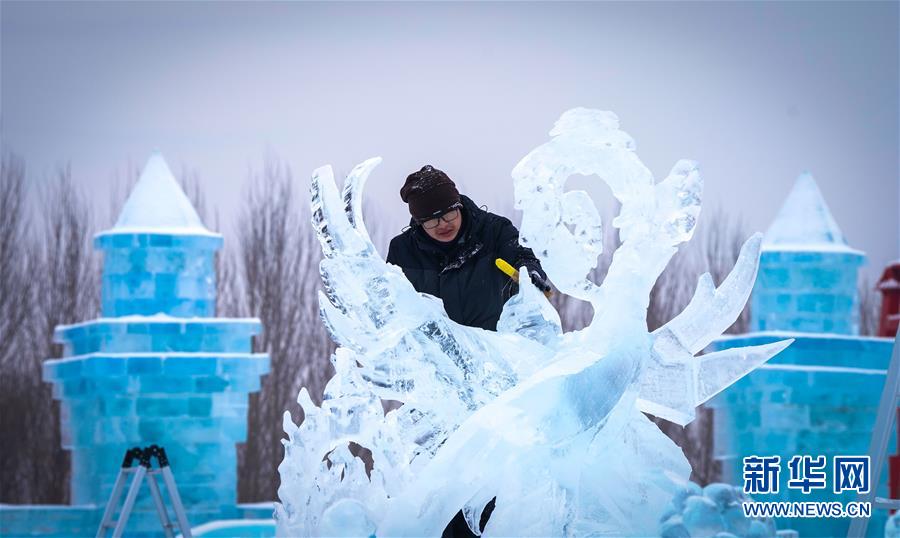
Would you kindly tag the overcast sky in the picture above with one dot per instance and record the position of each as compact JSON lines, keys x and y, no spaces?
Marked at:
{"x":756,"y":92}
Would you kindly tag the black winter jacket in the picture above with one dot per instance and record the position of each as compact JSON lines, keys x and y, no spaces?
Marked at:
{"x":465,"y":276}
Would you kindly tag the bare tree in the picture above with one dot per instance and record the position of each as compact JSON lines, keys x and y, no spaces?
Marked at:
{"x":275,"y":278}
{"x":15,"y":259}
{"x":71,"y":266}
{"x":193,"y":188}
{"x":869,"y":308}
{"x":63,"y":288}
{"x":68,"y":292}
{"x":16,"y":313}
{"x":123,"y":182}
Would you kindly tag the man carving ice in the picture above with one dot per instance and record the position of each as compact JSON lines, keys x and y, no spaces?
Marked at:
{"x":532,"y":415}
{"x":450,"y":251}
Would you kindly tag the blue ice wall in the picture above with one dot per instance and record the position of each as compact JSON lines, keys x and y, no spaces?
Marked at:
{"x":818,"y":397}
{"x":806,"y":291}
{"x":156,"y":368}
{"x":182,"y":383}
{"x":83,"y":520}
{"x":153,"y":273}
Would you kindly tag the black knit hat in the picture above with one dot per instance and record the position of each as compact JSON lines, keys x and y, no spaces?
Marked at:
{"x":428,"y":191}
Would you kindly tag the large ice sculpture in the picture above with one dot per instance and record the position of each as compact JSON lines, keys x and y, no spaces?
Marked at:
{"x":549,"y":423}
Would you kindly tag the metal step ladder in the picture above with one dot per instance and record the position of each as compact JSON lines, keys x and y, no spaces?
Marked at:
{"x":878,"y":446}
{"x":143,"y":469}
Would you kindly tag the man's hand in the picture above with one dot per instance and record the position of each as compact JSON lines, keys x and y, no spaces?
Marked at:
{"x":538,"y":280}
{"x":537,"y":276}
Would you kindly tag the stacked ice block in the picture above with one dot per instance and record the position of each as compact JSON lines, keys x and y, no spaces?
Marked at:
{"x":805,"y":291}
{"x":807,"y":273}
{"x":145,"y":274}
{"x":820,"y":396}
{"x":157,"y":367}
{"x":179,"y":383}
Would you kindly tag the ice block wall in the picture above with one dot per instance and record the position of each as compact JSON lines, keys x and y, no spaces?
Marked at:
{"x":807,"y":291}
{"x":157,"y":367}
{"x":819,"y":397}
{"x":147,"y":274}
{"x":807,"y":280}
{"x":179,"y":383}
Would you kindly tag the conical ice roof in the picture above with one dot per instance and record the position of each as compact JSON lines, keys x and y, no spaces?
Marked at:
{"x":157,"y":204}
{"x":805,"y":223}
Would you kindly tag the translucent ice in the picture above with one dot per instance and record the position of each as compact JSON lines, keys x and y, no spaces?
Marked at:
{"x":549,"y":423}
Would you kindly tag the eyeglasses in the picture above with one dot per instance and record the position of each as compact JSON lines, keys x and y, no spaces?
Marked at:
{"x":450,"y":214}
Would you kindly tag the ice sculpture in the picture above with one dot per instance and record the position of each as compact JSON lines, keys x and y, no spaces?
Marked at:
{"x":549,"y":423}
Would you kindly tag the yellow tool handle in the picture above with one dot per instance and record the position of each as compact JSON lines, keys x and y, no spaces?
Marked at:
{"x":504,"y":266}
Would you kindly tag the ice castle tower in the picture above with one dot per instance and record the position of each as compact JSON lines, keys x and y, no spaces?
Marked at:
{"x":157,"y":367}
{"x":818,"y":397}
{"x":807,"y":272}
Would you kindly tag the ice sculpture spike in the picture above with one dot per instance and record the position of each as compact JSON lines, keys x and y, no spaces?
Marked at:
{"x":353,"y":188}
{"x":528,"y":414}
{"x":675,"y":382}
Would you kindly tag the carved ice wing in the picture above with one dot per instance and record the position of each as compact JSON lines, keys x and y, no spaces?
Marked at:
{"x":399,"y":336}
{"x":721,"y":369}
{"x":672,"y":389}
{"x":353,"y":188}
{"x":351,"y":266}
{"x":674,"y":382}
{"x":335,"y":230}
{"x":712,"y":310}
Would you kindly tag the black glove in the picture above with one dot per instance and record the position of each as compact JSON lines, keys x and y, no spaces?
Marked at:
{"x":538,"y":279}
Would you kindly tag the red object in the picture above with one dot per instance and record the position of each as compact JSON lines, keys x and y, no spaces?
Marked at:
{"x":889,"y":286}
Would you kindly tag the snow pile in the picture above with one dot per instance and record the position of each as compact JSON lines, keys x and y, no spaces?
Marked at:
{"x":549,"y":423}
{"x":805,"y":222}
{"x":158,"y":204}
{"x":892,"y":526}
{"x":712,"y":511}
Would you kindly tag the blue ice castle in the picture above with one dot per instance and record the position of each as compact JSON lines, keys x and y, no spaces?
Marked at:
{"x":156,"y":368}
{"x":820,"y":396}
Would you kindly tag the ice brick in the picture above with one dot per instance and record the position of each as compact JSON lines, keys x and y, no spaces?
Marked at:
{"x":804,"y":291}
{"x":818,"y":397}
